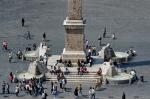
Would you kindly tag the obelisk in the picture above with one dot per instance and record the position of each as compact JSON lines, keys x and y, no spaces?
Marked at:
{"x":74,"y":36}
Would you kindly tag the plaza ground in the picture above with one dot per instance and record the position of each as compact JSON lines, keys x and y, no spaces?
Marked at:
{"x":129,"y":20}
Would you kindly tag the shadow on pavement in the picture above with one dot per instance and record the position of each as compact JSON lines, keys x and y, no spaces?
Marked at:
{"x":133,"y":64}
{"x":101,"y":89}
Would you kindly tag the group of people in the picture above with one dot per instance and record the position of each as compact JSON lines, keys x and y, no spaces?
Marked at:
{"x":62,"y":81}
{"x":78,"y":92}
{"x":32,"y":86}
{"x":55,"y":70}
{"x":82,"y":70}
{"x":91,"y":93}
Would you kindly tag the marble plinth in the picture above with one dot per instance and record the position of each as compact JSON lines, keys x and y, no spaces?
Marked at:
{"x":74,"y":56}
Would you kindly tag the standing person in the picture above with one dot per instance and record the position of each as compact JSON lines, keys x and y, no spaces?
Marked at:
{"x":86,"y":44}
{"x":104,"y":34}
{"x":113,"y":36}
{"x":76,"y":93}
{"x":123,"y":96}
{"x":91,"y":62}
{"x":80,"y":89}
{"x":34,"y":46}
{"x":44,"y":95}
{"x":7,"y":88}
{"x":63,"y":85}
{"x":5,"y":45}
{"x":3,"y":87}
{"x":17,"y":90}
{"x":22,"y":22}
{"x":28,"y":35}
{"x":100,"y":40}
{"x":93,"y":93}
{"x":10,"y":77}
{"x":10,"y":57}
{"x":44,"y":36}
{"x":55,"y":90}
{"x":60,"y":83}
{"x":90,"y":93}
{"x":89,"y":52}
{"x":52,"y":86}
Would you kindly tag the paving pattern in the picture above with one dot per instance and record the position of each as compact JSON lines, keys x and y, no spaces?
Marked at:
{"x":128,"y":19}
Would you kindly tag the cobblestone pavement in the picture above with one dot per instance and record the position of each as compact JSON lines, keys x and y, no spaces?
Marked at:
{"x":129,"y":20}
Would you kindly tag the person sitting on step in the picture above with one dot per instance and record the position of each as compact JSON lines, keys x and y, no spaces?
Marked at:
{"x":99,"y":72}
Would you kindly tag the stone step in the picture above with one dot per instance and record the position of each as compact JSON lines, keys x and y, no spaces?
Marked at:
{"x":75,"y":80}
{"x":75,"y":73}
{"x":76,"y":77}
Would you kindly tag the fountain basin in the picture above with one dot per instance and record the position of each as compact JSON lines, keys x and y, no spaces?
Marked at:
{"x":121,"y":78}
{"x":27,"y":76}
{"x":31,"y":55}
{"x":121,"y":57}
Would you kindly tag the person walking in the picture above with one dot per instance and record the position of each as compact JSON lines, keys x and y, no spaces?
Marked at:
{"x":22,"y":22}
{"x":91,"y":62}
{"x":52,"y":85}
{"x":76,"y":93}
{"x":100,"y":40}
{"x":55,"y":90}
{"x":44,"y":95}
{"x":113,"y":36}
{"x":91,"y":93}
{"x":123,"y":96}
{"x":44,"y":36}
{"x":3,"y":87}
{"x":10,"y":77}
{"x":80,"y":89}
{"x":34,"y":46}
{"x":7,"y":88}
{"x":104,"y":34}
{"x":86,"y":44}
{"x":4,"y":45}
{"x":28,"y":35}
{"x":17,"y":90}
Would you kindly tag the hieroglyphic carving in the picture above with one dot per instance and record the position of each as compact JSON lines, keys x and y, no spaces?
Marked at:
{"x":75,"y":9}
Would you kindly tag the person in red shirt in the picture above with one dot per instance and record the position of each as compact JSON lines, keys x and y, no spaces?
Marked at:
{"x":5,"y":45}
{"x":10,"y":77}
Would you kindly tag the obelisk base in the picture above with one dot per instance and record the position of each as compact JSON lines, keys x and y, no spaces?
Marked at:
{"x":73,"y":56}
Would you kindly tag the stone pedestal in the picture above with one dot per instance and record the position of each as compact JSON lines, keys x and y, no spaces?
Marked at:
{"x":74,"y":40}
{"x":74,"y":56}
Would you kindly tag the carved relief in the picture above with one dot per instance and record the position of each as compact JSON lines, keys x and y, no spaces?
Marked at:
{"x":75,"y":10}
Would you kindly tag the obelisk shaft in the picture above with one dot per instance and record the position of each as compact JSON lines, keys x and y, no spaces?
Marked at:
{"x":74,"y":37}
{"x":75,"y":9}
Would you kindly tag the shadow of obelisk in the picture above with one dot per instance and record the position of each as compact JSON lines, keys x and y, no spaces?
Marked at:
{"x":74,"y":38}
